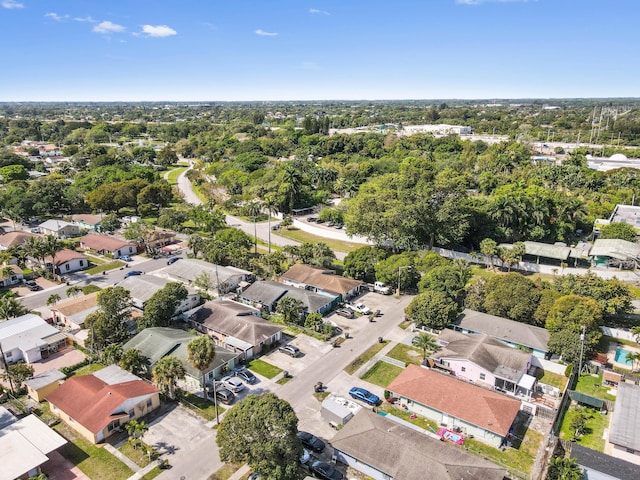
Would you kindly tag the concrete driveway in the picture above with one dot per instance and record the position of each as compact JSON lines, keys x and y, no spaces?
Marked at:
{"x":185,"y":441}
{"x":311,"y":349}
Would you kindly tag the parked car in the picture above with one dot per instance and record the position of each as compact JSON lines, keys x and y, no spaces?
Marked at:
{"x":172,"y":260}
{"x":232,"y":383}
{"x":246,"y":375}
{"x":338,"y":226}
{"x":32,"y":285}
{"x":359,"y":308}
{"x":382,"y":288}
{"x":343,"y":312}
{"x":126,"y":258}
{"x":312,"y":219}
{"x":35,"y":230}
{"x":277,"y":226}
{"x":305,"y":457}
{"x":364,"y":395}
{"x":224,"y":395}
{"x":255,"y":476}
{"x":290,"y":350}
{"x":133,"y":273}
{"x":326,"y":471}
{"x":311,"y":442}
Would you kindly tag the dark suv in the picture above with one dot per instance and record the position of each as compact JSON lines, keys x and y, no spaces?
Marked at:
{"x":32,"y":285}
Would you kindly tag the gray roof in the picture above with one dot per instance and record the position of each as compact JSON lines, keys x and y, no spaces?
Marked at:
{"x":188,"y":269}
{"x":268,"y":292}
{"x":157,"y":342}
{"x":612,"y":467}
{"x":547,"y":250}
{"x":504,"y":329}
{"x":142,"y":287}
{"x":45,"y":378}
{"x":494,"y":356}
{"x":55,"y":225}
{"x":25,"y":332}
{"x":113,"y":375}
{"x":6,"y":417}
{"x":407,"y":454}
{"x":236,"y":320}
{"x":625,"y":425}
{"x":615,"y":248}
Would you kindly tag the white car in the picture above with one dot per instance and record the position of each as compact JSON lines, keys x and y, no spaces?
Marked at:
{"x":360,"y":308}
{"x":232,"y":383}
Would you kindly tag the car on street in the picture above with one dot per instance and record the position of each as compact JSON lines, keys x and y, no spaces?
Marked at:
{"x":360,"y":308}
{"x":32,"y":285}
{"x":326,"y":471}
{"x":126,"y":258}
{"x":364,"y":395}
{"x":343,"y":312}
{"x":310,"y":441}
{"x":224,"y":395}
{"x":172,"y":260}
{"x":246,"y":375}
{"x":133,"y":273}
{"x":290,"y":350}
{"x":232,"y":383}
{"x":275,"y":227}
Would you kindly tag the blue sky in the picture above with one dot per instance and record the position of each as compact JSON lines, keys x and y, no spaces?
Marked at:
{"x":190,"y":50}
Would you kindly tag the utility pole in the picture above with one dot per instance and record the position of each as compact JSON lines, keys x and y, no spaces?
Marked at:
{"x":6,"y":369}
{"x":582,"y":335}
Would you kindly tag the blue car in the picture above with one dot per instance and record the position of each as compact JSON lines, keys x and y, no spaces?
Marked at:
{"x":364,"y":395}
{"x":133,"y":273}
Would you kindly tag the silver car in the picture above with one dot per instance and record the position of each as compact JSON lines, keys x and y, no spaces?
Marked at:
{"x":232,"y":383}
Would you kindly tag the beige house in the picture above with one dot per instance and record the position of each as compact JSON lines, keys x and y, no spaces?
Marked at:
{"x":43,"y":384}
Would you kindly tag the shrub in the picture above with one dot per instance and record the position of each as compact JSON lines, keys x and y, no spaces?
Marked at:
{"x":568,"y":370}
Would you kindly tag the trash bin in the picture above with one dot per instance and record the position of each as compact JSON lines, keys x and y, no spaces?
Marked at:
{"x":346,"y":334}
{"x":380,"y":340}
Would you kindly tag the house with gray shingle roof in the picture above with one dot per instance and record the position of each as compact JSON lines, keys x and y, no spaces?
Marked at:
{"x":143,"y":287}
{"x":222,"y":279}
{"x":267,"y":293}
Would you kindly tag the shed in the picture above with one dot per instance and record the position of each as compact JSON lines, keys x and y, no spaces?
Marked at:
{"x":43,"y":384}
{"x":338,"y":409}
{"x":587,"y":400}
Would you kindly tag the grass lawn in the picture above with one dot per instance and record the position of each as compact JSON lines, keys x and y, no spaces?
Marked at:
{"x":97,"y":463}
{"x":593,"y":386}
{"x":88,"y":369}
{"x":226,"y":471}
{"x":596,"y":423}
{"x":302,"y":236}
{"x":382,"y":373}
{"x":172,"y":176}
{"x":405,"y":354}
{"x":96,"y":260}
{"x":104,"y":267}
{"x":603,"y":345}
{"x":418,"y":421}
{"x":263,"y":368}
{"x":364,"y":358}
{"x":283,"y":380}
{"x":138,"y":455}
{"x":202,"y":407}
{"x":153,"y":473}
{"x":554,"y":380}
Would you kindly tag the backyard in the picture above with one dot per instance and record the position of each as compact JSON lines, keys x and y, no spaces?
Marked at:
{"x":593,"y":431}
{"x":592,"y":385}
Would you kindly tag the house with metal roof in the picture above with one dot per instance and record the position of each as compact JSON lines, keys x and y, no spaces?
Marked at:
{"x":383,"y":449}
{"x":86,"y":221}
{"x":453,"y":403}
{"x":29,"y":338}
{"x":97,"y":407}
{"x":266,"y":294}
{"x":615,"y":252}
{"x":59,"y":228}
{"x":41,"y":385}
{"x":514,"y":334}
{"x":486,"y":361}
{"x":624,"y":431}
{"x":321,"y":280}
{"x":74,"y":311}
{"x":158,"y":342}
{"x":236,"y":326}
{"x":221,"y":279}
{"x":142,"y":287}
{"x":25,"y":446}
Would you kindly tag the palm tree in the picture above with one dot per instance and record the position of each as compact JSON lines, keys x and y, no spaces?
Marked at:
{"x":34,"y":247}
{"x":74,"y":291}
{"x":200,"y":354}
{"x":135,"y":429}
{"x":196,"y":243}
{"x":253,"y":209}
{"x":270,"y":204}
{"x":426,"y":343}
{"x":51,"y":246}
{"x":634,"y":358}
{"x":53,"y":299}
{"x":133,"y":361}
{"x":10,"y":307}
{"x":167,"y":372}
{"x":7,"y":271}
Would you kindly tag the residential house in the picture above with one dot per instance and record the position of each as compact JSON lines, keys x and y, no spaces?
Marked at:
{"x":514,"y":334}
{"x":484,"y":360}
{"x":67,"y":261}
{"x":221,"y":279}
{"x":624,"y":431}
{"x":158,"y":342}
{"x":266,"y":294}
{"x":236,"y":326}
{"x":142,"y":288}
{"x":600,"y":466}
{"x":96,"y":406}
{"x":160,"y":238}
{"x":59,"y":228}
{"x":321,"y":280}
{"x":29,"y":338}
{"x":13,"y":278}
{"x":383,"y":449}
{"x":73,"y":312}
{"x":453,"y":403}
{"x":14,"y":239}
{"x":108,"y":245}
{"x":614,"y":252}
{"x":88,"y":222}
{"x":25,"y":446}
{"x":41,"y":385}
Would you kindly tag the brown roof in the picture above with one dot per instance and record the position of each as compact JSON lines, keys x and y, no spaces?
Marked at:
{"x":87,"y":218}
{"x":77,"y":305}
{"x":486,"y":409}
{"x":94,"y":403}
{"x":14,"y":238}
{"x":99,"y":242}
{"x":321,"y":278}
{"x":66,"y":255}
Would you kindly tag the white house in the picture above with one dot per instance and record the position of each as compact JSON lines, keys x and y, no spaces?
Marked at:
{"x":106,"y":244}
{"x":67,"y":261}
{"x":142,"y":288}
{"x":29,"y":338}
{"x":59,"y":228}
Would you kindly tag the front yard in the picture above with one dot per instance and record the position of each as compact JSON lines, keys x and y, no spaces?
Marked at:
{"x":364,"y":358}
{"x":406,"y":354}
{"x":382,"y":373}
{"x":202,"y":407}
{"x":263,"y":368}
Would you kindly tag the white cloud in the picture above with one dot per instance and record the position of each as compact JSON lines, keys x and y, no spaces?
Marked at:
{"x":108,"y":27}
{"x":479,"y":2}
{"x":316,"y":11}
{"x":56,"y":17}
{"x":158,"y":31}
{"x":265,"y":34}
{"x":11,"y":4}
{"x":85,"y":19}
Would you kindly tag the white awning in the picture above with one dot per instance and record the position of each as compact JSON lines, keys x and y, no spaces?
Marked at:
{"x":237,"y":343}
{"x":527,"y":382}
